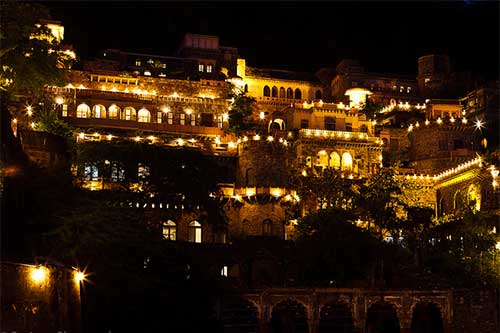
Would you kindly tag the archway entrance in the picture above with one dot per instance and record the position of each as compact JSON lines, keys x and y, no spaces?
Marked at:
{"x":382,"y":318}
{"x":289,"y":317}
{"x":239,"y":316}
{"x":336,"y":317}
{"x":426,"y":318}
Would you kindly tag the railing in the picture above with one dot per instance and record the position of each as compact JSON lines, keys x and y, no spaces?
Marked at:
{"x":153,"y":127}
{"x":339,"y":135}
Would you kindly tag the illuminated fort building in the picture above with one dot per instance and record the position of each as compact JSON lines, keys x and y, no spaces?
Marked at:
{"x":302,"y":121}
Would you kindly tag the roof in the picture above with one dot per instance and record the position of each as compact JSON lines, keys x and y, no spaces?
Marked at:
{"x":282,"y":74}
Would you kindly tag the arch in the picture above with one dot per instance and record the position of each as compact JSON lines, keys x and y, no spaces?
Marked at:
{"x":194,"y":232}
{"x":83,"y":111}
{"x":98,"y":111}
{"x":426,"y":318}
{"x":474,"y":197}
{"x":267,"y":227}
{"x":336,"y":317}
{"x":298,"y":94}
{"x":129,"y":113}
{"x":289,"y":316}
{"x":322,"y":159}
{"x":346,"y":161}
{"x":335,"y":160}
{"x":274,"y":92}
{"x":289,"y":93}
{"x":382,"y":317}
{"x":363,"y":128}
{"x":239,"y":315}
{"x":318,"y":94}
{"x":114,"y":111}
{"x":458,"y":200}
{"x":278,"y":124}
{"x":266,"y":92}
{"x":144,"y":116}
{"x":282,"y":92}
{"x":169,"y":230}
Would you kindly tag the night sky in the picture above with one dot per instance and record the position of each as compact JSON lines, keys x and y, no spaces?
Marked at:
{"x":385,"y":37}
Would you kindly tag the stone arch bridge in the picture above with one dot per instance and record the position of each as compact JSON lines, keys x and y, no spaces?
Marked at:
{"x":313,"y":302}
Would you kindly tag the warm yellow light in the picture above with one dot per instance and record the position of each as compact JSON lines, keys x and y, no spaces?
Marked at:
{"x":114,"y":89}
{"x":29,"y":109}
{"x":276,"y":192}
{"x":81,"y":86}
{"x":38,"y":274}
{"x":498,"y":245}
{"x":192,"y":140}
{"x":237,"y":197}
{"x":81,"y":136}
{"x":96,"y":134}
{"x":14,"y":120}
{"x":70,"y":86}
{"x":231,"y":144}
{"x":322,"y":152}
{"x":180,"y":141}
{"x":250,"y":191}
{"x":245,"y":139}
{"x":262,"y":115}
{"x":33,"y":125}
{"x":79,"y":276}
{"x":439,"y":121}
{"x":217,"y":140}
{"x":464,"y":120}
{"x":188,"y":111}
{"x":110,"y":137}
{"x":137,"y":138}
{"x":225,"y":116}
{"x":270,"y":139}
{"x":304,"y":173}
{"x":175,"y":95}
{"x":479,"y":124}
{"x":427,"y":122}
{"x":103,"y":88}
{"x":256,"y":137}
{"x":152,"y":138}
{"x":59,"y":100}
{"x":165,"y":109}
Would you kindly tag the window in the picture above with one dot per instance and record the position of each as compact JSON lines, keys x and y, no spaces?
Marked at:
{"x":142,"y":172}
{"x":330,"y":123}
{"x":318,"y":94}
{"x":169,"y":230}
{"x":150,"y":61}
{"x":192,"y":118}
{"x":335,"y":160}
{"x":144,"y":116}
{"x":159,"y":116}
{"x":298,"y":94}
{"x":408,"y":90}
{"x":220,"y":121}
{"x":304,"y":123}
{"x":427,"y":80}
{"x":113,"y":111}
{"x":200,"y":67}
{"x":170,"y":118}
{"x":129,"y":113}
{"x":194,"y":232}
{"x":163,"y":66}
{"x":394,"y":88}
{"x":267,"y":91}
{"x":99,"y":111}
{"x":274,"y":92}
{"x":282,"y":92}
{"x":90,"y":172}
{"x":64,"y":110}
{"x":348,"y":127}
{"x":183,"y":119}
{"x":83,"y":111}
{"x":147,"y":73}
{"x":209,"y":68}
{"x":289,"y":93}
{"x":443,"y":145}
{"x":223,"y":271}
{"x":267,"y":228}
{"x":162,"y":75}
{"x":137,"y":62}
{"x":346,"y":162}
{"x":363,"y":129}
{"x":401,"y":89}
{"x":117,"y":172}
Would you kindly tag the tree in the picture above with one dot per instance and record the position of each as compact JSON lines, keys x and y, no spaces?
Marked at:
{"x":242,"y":108}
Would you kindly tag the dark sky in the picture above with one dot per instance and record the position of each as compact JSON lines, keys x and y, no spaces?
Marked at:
{"x":384,"y":36}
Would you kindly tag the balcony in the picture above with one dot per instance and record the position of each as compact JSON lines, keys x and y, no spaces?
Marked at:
{"x":146,"y":127}
{"x":337,"y":135}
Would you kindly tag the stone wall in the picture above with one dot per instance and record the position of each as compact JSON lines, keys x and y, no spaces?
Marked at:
{"x":475,"y":310}
{"x":48,"y":304}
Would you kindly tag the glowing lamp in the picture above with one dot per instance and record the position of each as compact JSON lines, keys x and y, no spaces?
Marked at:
{"x":59,"y":100}
{"x":262,"y":115}
{"x":270,"y":139}
{"x":38,"y":274}
{"x":79,"y":276}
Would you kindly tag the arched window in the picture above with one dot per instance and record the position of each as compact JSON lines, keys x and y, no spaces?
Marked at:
{"x":335,"y":160}
{"x":346,"y":162}
{"x":458,"y":200}
{"x":267,"y":227}
{"x":169,"y":230}
{"x":322,"y":159}
{"x":144,"y":116}
{"x":129,"y":113}
{"x":267,"y":91}
{"x":113,"y":112}
{"x":282,"y":92}
{"x":474,"y":197}
{"x":298,"y":94}
{"x":274,"y":92}
{"x":246,"y":88}
{"x":83,"y":111}
{"x":363,"y":128}
{"x":99,"y":111}
{"x":194,"y":232}
{"x":318,"y":94}
{"x":289,"y":93}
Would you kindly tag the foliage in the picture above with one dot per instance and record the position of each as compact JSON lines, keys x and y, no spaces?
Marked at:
{"x":47,"y":120}
{"x":242,"y":108}
{"x":28,"y":64}
{"x":372,"y":109}
{"x":332,"y":248}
